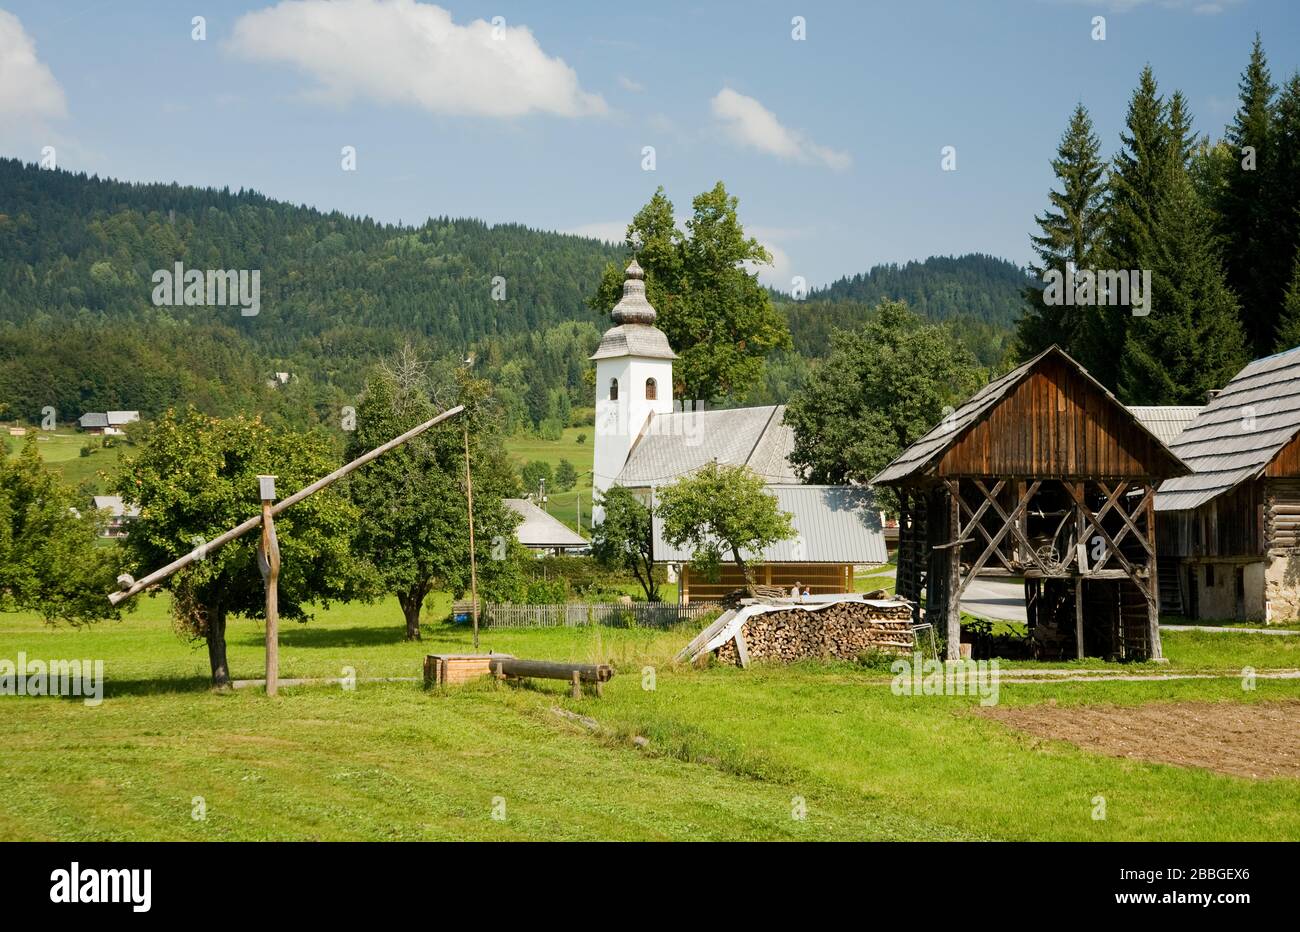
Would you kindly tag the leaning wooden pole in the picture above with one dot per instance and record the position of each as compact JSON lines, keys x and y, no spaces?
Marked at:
{"x":473,"y":563}
{"x":132,"y":587}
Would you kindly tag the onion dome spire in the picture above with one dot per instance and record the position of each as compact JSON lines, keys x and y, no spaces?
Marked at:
{"x":633,"y":308}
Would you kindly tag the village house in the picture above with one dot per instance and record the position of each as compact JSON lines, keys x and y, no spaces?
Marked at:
{"x":119,"y":515}
{"x":1229,"y":532}
{"x":107,"y":422}
{"x":645,"y":440}
{"x":542,"y":532}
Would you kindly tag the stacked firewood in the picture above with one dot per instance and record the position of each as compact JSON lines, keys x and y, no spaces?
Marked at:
{"x":844,"y":630}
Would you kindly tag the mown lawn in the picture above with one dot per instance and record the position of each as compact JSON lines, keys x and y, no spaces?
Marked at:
{"x":732,"y":754}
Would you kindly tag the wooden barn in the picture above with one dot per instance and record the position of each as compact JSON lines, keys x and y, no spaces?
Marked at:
{"x":1041,"y":475}
{"x":1229,"y":532}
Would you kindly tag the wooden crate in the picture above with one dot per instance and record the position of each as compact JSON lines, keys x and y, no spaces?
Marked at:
{"x":453,"y":669}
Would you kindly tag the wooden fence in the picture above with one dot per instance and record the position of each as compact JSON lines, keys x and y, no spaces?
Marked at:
{"x":577,"y":614}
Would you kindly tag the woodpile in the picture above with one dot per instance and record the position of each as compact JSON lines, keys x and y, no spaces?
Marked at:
{"x":843,"y":630}
{"x":737,"y":597}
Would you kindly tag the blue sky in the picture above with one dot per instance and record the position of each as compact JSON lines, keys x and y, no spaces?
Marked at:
{"x":833,"y":143}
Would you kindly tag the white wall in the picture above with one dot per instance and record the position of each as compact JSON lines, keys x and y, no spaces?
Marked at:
{"x":619,"y":423}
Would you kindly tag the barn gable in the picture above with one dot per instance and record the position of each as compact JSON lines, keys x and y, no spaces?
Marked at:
{"x":1046,"y":418}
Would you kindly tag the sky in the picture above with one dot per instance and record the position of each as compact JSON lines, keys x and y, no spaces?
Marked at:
{"x":828,"y":121}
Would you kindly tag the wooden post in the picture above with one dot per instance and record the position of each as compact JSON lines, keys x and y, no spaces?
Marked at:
{"x":473,"y":565}
{"x":1154,"y":647}
{"x":577,"y":685}
{"x":954,"y":587}
{"x":268,"y":561}
{"x":1078,"y":617}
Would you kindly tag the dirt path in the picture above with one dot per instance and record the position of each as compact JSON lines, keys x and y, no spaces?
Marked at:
{"x":1260,"y":740}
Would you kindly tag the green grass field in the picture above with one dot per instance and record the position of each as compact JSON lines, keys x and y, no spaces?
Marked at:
{"x":732,"y":755}
{"x":61,"y":451}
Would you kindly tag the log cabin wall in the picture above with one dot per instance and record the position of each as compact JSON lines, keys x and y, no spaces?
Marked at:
{"x":819,"y":578}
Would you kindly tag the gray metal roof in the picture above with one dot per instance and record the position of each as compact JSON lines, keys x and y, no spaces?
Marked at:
{"x":1238,"y":433}
{"x":634,"y":340}
{"x":93,"y":419}
{"x":833,"y":523}
{"x":540,"y":530}
{"x":122,"y":417}
{"x":116,"y":507}
{"x":1166,"y":421}
{"x":673,"y":445}
{"x":926,"y":451}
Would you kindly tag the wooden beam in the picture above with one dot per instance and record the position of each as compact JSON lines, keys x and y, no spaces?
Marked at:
{"x":134,"y":587}
{"x":1078,"y":617}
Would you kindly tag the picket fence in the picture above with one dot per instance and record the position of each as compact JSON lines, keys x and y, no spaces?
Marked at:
{"x":578,"y":614}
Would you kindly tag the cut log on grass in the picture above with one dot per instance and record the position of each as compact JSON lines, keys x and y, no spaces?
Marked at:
{"x":576,"y":674}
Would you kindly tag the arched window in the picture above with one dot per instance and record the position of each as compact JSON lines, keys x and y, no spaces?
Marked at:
{"x":651,"y":390}
{"x":613,"y":389}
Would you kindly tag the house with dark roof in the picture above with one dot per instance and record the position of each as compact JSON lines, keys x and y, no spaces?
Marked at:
{"x":1230,"y":530}
{"x":106,"y":422}
{"x":646,"y":440}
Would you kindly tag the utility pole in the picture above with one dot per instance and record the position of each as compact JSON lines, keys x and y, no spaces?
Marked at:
{"x":473,"y":566}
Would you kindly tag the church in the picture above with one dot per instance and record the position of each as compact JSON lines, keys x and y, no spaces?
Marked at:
{"x":645,"y":440}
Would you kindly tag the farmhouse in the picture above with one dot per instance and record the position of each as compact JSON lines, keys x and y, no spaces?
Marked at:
{"x":541,"y":531}
{"x":110,"y":422}
{"x":645,"y":440}
{"x":1228,"y":532}
{"x":1043,"y":475}
{"x":119,"y":515}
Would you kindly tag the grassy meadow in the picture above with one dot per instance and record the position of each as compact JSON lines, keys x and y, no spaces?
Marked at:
{"x":731,"y":755}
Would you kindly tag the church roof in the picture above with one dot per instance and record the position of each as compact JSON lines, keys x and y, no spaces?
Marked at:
{"x":672,"y":445}
{"x":634,"y":332}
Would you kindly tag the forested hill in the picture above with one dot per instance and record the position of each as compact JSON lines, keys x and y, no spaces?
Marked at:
{"x":984,"y":287}
{"x":79,"y":330}
{"x":981,"y":296}
{"x":77,"y":254}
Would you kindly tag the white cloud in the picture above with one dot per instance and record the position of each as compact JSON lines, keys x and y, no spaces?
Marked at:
{"x":28,"y":89}
{"x":751,"y":124}
{"x":636,"y":87}
{"x":409,"y":53}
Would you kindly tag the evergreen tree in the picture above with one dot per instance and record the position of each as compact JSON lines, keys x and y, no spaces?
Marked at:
{"x":1245,"y":209}
{"x":1288,"y":329}
{"x":1137,"y":179}
{"x":1191,"y":340}
{"x":1071,"y":230}
{"x":1284,"y":184}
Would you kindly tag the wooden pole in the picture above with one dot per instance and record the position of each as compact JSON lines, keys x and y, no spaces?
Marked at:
{"x":268,"y":561}
{"x":953,"y":588}
{"x":133,"y":587}
{"x":473,"y":564}
{"x":1078,"y":617}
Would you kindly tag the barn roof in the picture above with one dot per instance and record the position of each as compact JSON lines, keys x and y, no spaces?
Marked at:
{"x":673,"y":445}
{"x":1166,"y":421}
{"x":833,"y":524}
{"x":540,"y":530}
{"x":1238,"y":433}
{"x":93,"y":419}
{"x":919,"y":458}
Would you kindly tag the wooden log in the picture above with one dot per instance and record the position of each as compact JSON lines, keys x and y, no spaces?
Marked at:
{"x":553,"y":670}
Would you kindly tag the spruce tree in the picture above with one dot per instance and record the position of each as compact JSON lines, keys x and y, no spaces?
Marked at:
{"x":1137,"y":180}
{"x":1071,"y":230}
{"x":1191,"y":341}
{"x":1288,"y":327}
{"x":1245,"y":209}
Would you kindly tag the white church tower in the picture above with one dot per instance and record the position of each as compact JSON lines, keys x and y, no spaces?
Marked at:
{"x":634,"y":378}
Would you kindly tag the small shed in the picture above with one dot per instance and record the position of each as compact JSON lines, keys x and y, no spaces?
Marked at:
{"x":1041,"y":475}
